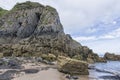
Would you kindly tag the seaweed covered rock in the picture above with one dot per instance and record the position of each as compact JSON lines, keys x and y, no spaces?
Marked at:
{"x":72,"y":66}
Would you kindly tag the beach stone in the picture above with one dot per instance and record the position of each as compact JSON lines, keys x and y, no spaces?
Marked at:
{"x":72,"y":66}
{"x":8,"y":75}
{"x":14,"y":64}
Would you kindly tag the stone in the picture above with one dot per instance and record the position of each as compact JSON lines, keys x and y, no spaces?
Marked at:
{"x":8,"y":75}
{"x":13,"y":64}
{"x":72,"y":66}
{"x":72,"y":77}
{"x":78,"y":57}
{"x":111,"y":56}
{"x":48,"y":57}
{"x":101,"y":59}
{"x":89,"y":60}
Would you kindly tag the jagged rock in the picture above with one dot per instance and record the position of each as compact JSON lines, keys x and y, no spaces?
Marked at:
{"x":72,"y":66}
{"x":111,"y":56}
{"x":32,"y":29}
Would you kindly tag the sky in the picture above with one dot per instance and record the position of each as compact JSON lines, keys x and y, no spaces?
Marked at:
{"x":93,"y":23}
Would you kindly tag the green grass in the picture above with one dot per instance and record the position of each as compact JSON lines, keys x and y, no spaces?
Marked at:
{"x":26,"y":5}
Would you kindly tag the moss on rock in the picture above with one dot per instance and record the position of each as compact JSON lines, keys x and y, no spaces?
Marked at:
{"x":26,"y":5}
{"x":49,"y":57}
{"x":72,"y":66}
{"x":2,"y":11}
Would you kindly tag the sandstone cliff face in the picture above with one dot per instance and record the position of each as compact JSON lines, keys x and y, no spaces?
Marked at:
{"x":32,"y":29}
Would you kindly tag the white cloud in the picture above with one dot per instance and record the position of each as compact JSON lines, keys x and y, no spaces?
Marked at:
{"x":85,"y":38}
{"x":111,"y":35}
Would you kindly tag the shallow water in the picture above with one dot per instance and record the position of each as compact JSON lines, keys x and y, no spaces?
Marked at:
{"x":107,"y":70}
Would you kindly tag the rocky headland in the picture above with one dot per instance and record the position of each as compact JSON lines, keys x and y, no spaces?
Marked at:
{"x":111,"y":56}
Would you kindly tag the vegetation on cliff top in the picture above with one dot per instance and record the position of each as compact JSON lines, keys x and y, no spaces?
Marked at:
{"x":2,"y":11}
{"x":26,"y":5}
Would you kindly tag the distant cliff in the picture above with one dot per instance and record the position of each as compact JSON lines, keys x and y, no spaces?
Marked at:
{"x":32,"y":29}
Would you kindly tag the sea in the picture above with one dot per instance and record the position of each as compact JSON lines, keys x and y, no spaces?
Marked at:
{"x":105,"y":71}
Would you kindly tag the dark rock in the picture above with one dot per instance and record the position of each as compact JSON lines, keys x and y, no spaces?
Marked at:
{"x":111,"y":56}
{"x":75,"y":77}
{"x":8,"y":75}
{"x":30,"y":71}
{"x":14,"y":64}
{"x":91,"y":67}
{"x":8,"y":63}
{"x":72,"y":77}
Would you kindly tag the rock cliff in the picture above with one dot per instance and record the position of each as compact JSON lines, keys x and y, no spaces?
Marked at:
{"x":32,"y":29}
{"x":112,"y":56}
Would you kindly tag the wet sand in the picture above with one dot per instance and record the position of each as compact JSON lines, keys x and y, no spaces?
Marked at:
{"x":50,"y":74}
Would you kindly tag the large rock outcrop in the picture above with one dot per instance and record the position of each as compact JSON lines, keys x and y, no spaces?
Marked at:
{"x":32,"y":29}
{"x":111,"y":56}
{"x":72,"y":66}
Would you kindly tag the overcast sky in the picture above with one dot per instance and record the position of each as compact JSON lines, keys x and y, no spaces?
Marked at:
{"x":94,"y":23}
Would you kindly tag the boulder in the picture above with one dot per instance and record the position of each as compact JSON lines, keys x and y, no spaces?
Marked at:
{"x":111,"y":56}
{"x":72,"y":66}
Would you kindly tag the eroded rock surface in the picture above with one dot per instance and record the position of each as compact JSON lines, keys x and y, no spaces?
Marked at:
{"x":72,"y":66}
{"x":32,"y":29}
